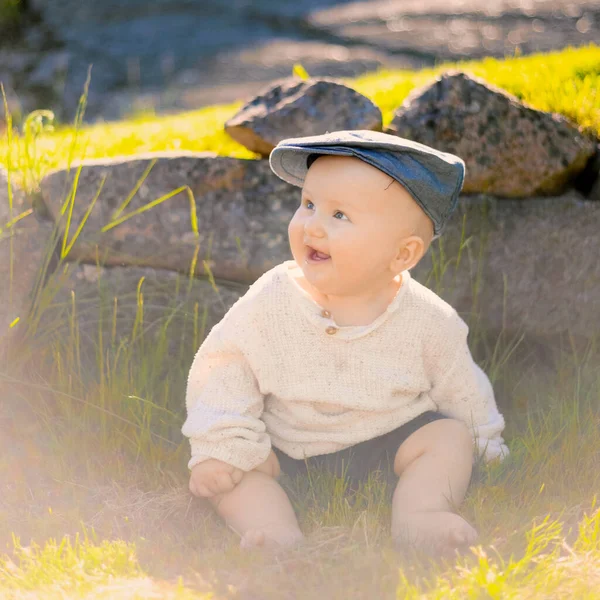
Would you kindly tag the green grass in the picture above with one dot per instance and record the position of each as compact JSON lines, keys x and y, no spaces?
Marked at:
{"x":546,"y":568}
{"x":93,"y":404}
{"x":10,"y":15}
{"x":82,"y":569}
{"x":537,"y":514}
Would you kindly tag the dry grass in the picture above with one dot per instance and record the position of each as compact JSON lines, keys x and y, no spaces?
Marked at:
{"x":536,"y":540}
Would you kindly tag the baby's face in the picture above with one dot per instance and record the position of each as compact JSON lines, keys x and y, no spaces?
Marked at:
{"x":350,"y":226}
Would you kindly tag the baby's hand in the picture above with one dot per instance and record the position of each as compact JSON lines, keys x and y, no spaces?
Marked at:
{"x":213,"y":477}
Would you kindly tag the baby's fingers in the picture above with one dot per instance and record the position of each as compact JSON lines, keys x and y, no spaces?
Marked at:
{"x":200,"y":490}
{"x":237,"y":475}
{"x":205,"y":492}
{"x":224,"y":483}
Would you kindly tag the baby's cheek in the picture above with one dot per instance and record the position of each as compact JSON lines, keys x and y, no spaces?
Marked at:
{"x":295,"y":227}
{"x":294,"y":233}
{"x":349,"y":251}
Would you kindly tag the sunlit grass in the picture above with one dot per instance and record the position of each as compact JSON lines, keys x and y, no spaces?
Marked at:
{"x":549,"y":568}
{"x":537,"y":515}
{"x":565,"y":82}
{"x":82,"y":568}
{"x":199,"y":131}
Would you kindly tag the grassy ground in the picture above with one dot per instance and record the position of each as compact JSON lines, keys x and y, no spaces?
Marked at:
{"x":537,"y":513}
{"x":93,"y":499}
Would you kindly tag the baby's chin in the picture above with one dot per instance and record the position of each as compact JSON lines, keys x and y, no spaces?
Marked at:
{"x":322,"y":283}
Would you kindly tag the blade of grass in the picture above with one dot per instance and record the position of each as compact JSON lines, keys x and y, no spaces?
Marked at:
{"x":65,"y":251}
{"x":81,"y":106}
{"x":142,"y":209}
{"x":14,"y":221}
{"x":8,"y":120}
{"x":135,"y":189}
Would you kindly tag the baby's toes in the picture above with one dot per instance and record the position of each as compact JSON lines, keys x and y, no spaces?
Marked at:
{"x":466,"y":534}
{"x":461,"y":534}
{"x":253,"y":538}
{"x":271,"y":537}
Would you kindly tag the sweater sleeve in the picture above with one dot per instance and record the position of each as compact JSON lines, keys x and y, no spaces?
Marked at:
{"x":224,"y":406}
{"x":464,"y":392}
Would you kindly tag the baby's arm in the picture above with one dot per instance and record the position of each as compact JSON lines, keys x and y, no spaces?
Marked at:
{"x":224,"y":406}
{"x":461,"y":390}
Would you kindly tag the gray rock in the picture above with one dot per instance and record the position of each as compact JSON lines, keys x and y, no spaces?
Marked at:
{"x":294,"y":108}
{"x":509,"y":149}
{"x":527,"y":267}
{"x":24,"y":253}
{"x":135,"y":308}
{"x":243,"y":211}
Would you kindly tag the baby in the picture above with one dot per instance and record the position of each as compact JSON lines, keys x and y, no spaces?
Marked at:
{"x":339,"y":359}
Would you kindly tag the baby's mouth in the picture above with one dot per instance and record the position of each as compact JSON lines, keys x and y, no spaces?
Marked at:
{"x":316,"y":256}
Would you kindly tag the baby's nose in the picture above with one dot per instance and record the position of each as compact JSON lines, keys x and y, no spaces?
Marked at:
{"x":313,"y":226}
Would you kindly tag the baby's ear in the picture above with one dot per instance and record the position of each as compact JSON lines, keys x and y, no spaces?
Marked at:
{"x":410,"y":252}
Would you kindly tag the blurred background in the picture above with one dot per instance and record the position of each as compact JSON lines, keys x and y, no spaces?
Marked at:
{"x":171,"y":55}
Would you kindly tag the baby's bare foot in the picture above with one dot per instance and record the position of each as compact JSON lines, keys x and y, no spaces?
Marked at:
{"x":438,"y":533}
{"x":270,"y":538}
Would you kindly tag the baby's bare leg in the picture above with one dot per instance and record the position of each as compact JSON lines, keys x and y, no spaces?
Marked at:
{"x":259,"y":511}
{"x":434,"y":465}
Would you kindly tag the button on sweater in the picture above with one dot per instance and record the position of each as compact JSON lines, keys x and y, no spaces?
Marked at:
{"x":278,"y":371}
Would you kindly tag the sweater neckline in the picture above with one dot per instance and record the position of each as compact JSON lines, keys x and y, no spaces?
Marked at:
{"x":316,"y":313}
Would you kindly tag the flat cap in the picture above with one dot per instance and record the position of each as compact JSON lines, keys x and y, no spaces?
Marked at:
{"x":433,"y":178}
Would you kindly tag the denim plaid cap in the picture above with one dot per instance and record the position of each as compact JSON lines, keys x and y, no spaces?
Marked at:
{"x":433,"y":178}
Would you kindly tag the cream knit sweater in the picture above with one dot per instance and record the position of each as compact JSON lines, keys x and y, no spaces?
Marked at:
{"x":277,"y":370}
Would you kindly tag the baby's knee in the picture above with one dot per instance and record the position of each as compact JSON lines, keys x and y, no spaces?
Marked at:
{"x":453,"y":434}
{"x":444,"y":436}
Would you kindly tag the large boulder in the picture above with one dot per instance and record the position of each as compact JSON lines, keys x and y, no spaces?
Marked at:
{"x":242,"y":209}
{"x":25,"y":250}
{"x":510,"y":149}
{"x":136,"y":308}
{"x":525,"y":267}
{"x":295,"y":108}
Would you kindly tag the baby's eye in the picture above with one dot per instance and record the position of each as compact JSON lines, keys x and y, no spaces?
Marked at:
{"x":339,"y":212}
{"x":308,"y":204}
